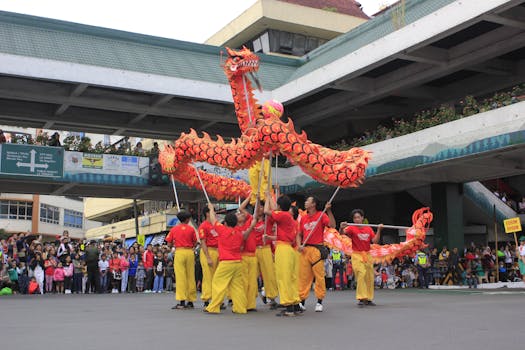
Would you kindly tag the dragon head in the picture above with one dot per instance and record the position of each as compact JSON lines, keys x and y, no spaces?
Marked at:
{"x":240,"y":63}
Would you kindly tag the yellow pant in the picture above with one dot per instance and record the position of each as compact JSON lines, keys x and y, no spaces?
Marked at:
{"x":286,"y":268}
{"x":228,"y":277}
{"x":249,"y":277}
{"x":267,"y":269}
{"x":253,"y":176}
{"x":364,"y":275}
{"x":185,"y":275}
{"x":307,"y":272}
{"x":208,"y":272}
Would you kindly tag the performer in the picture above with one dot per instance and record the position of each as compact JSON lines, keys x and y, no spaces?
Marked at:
{"x":209,"y":255}
{"x":310,"y":242}
{"x":361,"y":258}
{"x":286,"y":258}
{"x":248,"y":258}
{"x":184,"y":237}
{"x":228,"y":276}
{"x":265,"y":256}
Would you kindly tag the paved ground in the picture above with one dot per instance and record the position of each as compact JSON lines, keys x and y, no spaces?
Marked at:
{"x":403,"y":319}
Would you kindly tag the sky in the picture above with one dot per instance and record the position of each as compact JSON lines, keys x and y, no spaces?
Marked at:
{"x":193,"y":21}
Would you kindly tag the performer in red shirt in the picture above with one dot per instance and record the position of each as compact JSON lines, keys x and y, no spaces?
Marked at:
{"x":209,"y":255}
{"x":184,"y":237}
{"x":228,"y":276}
{"x":265,"y":256}
{"x":361,"y":259}
{"x":310,"y":263}
{"x":286,"y":258}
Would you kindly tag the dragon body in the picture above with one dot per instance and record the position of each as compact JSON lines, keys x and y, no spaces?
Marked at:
{"x":261,"y":133}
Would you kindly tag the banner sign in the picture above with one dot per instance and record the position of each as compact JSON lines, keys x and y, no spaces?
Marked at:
{"x":29,"y":160}
{"x":512,"y":225}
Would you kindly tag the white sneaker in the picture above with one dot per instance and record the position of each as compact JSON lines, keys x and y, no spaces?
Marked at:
{"x":318,"y":307}
{"x":302,"y":307}
{"x":114,"y":291}
{"x":67,"y":291}
{"x":147,"y":291}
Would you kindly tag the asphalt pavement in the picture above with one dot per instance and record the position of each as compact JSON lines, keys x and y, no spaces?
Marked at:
{"x":403,"y":319}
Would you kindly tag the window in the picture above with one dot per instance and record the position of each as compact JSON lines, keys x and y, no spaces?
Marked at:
{"x":16,"y":210}
{"x":73,"y":218}
{"x":49,"y":214}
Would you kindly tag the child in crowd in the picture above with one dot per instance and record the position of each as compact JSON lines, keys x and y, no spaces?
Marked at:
{"x":23,"y":279}
{"x":33,"y":287}
{"x":169,"y":276}
{"x":49,"y":268}
{"x":68,"y":274}
{"x":58,"y":277}
{"x":103,"y":266}
{"x":77,"y":274}
{"x":158,"y":268}
{"x":84,"y":276}
{"x":140,"y":276}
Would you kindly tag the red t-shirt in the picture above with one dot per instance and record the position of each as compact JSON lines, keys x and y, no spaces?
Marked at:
{"x":307,"y":223}
{"x":286,"y":226}
{"x":258,"y":232}
{"x":114,"y":265}
{"x":361,"y":237}
{"x":208,"y":233}
{"x":147,"y":259}
{"x":230,"y":242}
{"x":250,"y":244}
{"x":182,"y":236}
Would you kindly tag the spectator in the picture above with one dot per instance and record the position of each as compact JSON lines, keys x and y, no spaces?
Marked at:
{"x":77,"y":274}
{"x":328,"y":270}
{"x":68,"y":275}
{"x":138,"y":149}
{"x":124,"y":269}
{"x":133,"y":264}
{"x":521,"y":205}
{"x":54,"y":140}
{"x":2,"y":137}
{"x":148,"y":260}
{"x":141,"y":275}
{"x":115,"y":274}
{"x":159,"y":270}
{"x":155,"y":150}
{"x":103,"y":266}
{"x":58,"y":278}
{"x":170,"y":272}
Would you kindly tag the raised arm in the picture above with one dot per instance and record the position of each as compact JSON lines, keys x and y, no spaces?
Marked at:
{"x":269,"y":204}
{"x":378,"y":234}
{"x":246,"y":233}
{"x":244,"y":204}
{"x":213,"y":217}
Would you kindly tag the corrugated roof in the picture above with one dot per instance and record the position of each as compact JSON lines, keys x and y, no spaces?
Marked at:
{"x":71,"y":42}
{"x":364,"y":34}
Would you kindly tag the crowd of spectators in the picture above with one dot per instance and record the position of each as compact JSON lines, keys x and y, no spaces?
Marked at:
{"x":30,"y":266}
{"x":476,"y":265}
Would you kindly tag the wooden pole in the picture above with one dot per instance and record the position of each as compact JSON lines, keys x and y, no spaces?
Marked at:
{"x":384,"y":226}
{"x":175,"y":192}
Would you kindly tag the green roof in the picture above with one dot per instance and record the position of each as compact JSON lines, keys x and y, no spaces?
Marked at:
{"x":72,"y":42}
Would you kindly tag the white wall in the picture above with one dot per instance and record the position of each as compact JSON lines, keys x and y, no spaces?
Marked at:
{"x":43,"y":227}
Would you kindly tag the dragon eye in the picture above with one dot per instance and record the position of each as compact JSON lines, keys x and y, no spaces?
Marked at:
{"x":236,"y":59}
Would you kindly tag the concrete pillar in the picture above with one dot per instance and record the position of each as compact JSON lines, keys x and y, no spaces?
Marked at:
{"x":447,"y":207}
